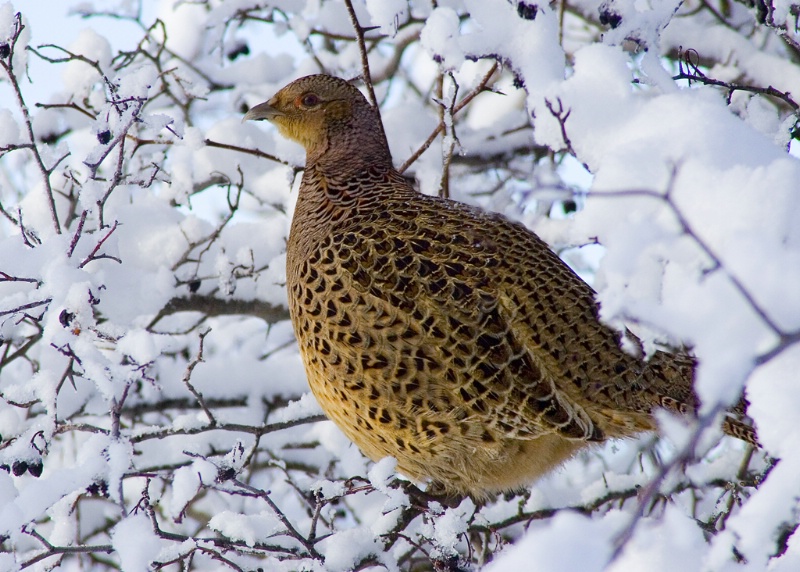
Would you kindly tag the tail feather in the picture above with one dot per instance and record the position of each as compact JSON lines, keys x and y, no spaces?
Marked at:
{"x":671,"y":378}
{"x":740,"y":430}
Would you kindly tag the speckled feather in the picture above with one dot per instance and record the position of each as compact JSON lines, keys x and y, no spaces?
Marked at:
{"x":450,"y":338}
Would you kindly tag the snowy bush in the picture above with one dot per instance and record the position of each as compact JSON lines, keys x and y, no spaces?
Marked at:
{"x":154,"y":412}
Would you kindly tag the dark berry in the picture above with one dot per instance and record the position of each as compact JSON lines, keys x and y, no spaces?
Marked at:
{"x":240,"y":49}
{"x":5,"y":467}
{"x":104,"y":137}
{"x":35,"y":469}
{"x":570,"y":206}
{"x":98,"y":488}
{"x":19,"y":467}
{"x":527,"y":11}
{"x":609,"y":18}
{"x":194,"y":286}
{"x":5,"y":51}
{"x":225,"y":474}
{"x":66,"y":317}
{"x":794,"y":131}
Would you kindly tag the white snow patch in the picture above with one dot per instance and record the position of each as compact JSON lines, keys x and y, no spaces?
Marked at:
{"x":186,"y":484}
{"x":135,"y":542}
{"x":306,"y":406}
{"x":344,"y":549}
{"x":553,"y":548}
{"x":9,"y":129}
{"x":249,"y":528}
{"x":388,"y":14}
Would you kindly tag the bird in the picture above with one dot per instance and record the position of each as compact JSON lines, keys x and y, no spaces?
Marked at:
{"x":450,"y":338}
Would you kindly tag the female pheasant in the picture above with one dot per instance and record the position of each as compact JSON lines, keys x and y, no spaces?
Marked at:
{"x":449,"y":338}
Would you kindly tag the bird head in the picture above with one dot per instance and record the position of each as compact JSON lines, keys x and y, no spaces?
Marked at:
{"x":316,"y":110}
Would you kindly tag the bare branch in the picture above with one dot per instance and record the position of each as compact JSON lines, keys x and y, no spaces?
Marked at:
{"x":367,"y":76}
{"x":211,"y":306}
{"x":188,"y":375}
{"x":481,"y":87}
{"x":7,"y":65}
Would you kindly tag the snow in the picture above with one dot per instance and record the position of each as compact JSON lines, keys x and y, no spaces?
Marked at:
{"x":381,"y":473}
{"x":79,"y":76}
{"x":247,"y":528}
{"x":381,"y":476}
{"x":186,"y":484}
{"x":6,"y":20}
{"x":751,"y":529}
{"x":135,"y":542}
{"x":306,"y":406}
{"x":36,"y":496}
{"x":439,"y":37}
{"x":344,"y":549}
{"x":554,"y":548}
{"x":9,"y":129}
{"x":329,"y":489}
{"x":772,"y":392}
{"x":450,"y":526}
{"x":181,"y":20}
{"x":532,"y":45}
{"x":667,"y":545}
{"x":387,"y":14}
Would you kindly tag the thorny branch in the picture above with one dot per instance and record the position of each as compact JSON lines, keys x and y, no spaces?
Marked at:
{"x":264,"y":495}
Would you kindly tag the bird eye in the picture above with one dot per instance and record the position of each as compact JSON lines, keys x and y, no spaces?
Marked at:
{"x":309,"y":100}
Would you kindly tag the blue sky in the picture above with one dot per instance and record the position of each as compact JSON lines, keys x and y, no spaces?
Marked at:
{"x":52,"y":22}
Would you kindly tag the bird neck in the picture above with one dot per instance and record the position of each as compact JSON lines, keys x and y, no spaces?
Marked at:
{"x":351,"y":147}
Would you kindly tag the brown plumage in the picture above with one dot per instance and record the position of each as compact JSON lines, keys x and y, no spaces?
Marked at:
{"x":452,"y":339}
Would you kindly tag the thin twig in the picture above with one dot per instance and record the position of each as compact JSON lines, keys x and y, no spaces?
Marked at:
{"x":648,"y":494}
{"x":689,"y":70}
{"x":705,"y":247}
{"x":212,"y":421}
{"x":8,"y":65}
{"x":446,"y":116}
{"x":362,"y":47}
{"x":239,"y":149}
{"x":257,"y":430}
{"x":281,"y":516}
{"x":74,"y":242}
{"x":93,"y":254}
{"x":27,"y":306}
{"x":51,"y":550}
{"x":481,"y":87}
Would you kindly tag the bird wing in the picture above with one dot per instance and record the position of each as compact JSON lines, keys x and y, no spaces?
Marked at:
{"x":449,"y":294}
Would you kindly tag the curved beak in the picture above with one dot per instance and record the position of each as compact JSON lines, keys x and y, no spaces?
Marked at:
{"x":261,"y":112}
